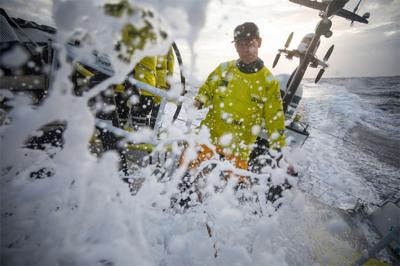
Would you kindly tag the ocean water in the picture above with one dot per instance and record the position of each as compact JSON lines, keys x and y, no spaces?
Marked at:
{"x":355,"y":139}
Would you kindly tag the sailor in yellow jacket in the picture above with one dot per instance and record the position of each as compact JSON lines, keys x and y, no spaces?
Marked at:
{"x":145,"y":112}
{"x":144,"y":71}
{"x":133,"y":38}
{"x":243,"y":97}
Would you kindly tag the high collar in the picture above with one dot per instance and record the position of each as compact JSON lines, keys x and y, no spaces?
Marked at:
{"x":250,"y":68}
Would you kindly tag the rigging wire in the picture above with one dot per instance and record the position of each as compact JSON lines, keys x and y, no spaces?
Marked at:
{"x":24,"y":33}
{"x":29,"y":38}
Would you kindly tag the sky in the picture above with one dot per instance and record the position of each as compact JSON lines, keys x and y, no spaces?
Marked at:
{"x":361,"y":50}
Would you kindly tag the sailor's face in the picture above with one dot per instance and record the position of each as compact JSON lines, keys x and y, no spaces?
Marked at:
{"x":248,"y":50}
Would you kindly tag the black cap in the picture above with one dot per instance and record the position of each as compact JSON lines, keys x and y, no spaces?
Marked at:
{"x":246,"y":31}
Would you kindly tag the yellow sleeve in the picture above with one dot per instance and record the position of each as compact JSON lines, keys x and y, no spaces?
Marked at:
{"x":170,"y":62}
{"x":274,"y":117}
{"x":206,"y":91}
{"x":145,"y":70}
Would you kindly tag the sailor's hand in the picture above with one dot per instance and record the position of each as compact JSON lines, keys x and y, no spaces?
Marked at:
{"x":291,"y":171}
{"x":197,"y":104}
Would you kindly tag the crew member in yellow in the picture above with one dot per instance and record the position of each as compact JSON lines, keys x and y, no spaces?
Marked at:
{"x":145,"y":112}
{"x":134,"y":38}
{"x":144,"y":71}
{"x":243,"y":97}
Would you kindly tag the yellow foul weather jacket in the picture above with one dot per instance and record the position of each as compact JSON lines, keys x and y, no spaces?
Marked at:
{"x":165,"y":68}
{"x":144,"y":71}
{"x":133,"y":38}
{"x":240,"y":105}
{"x":155,"y":72}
